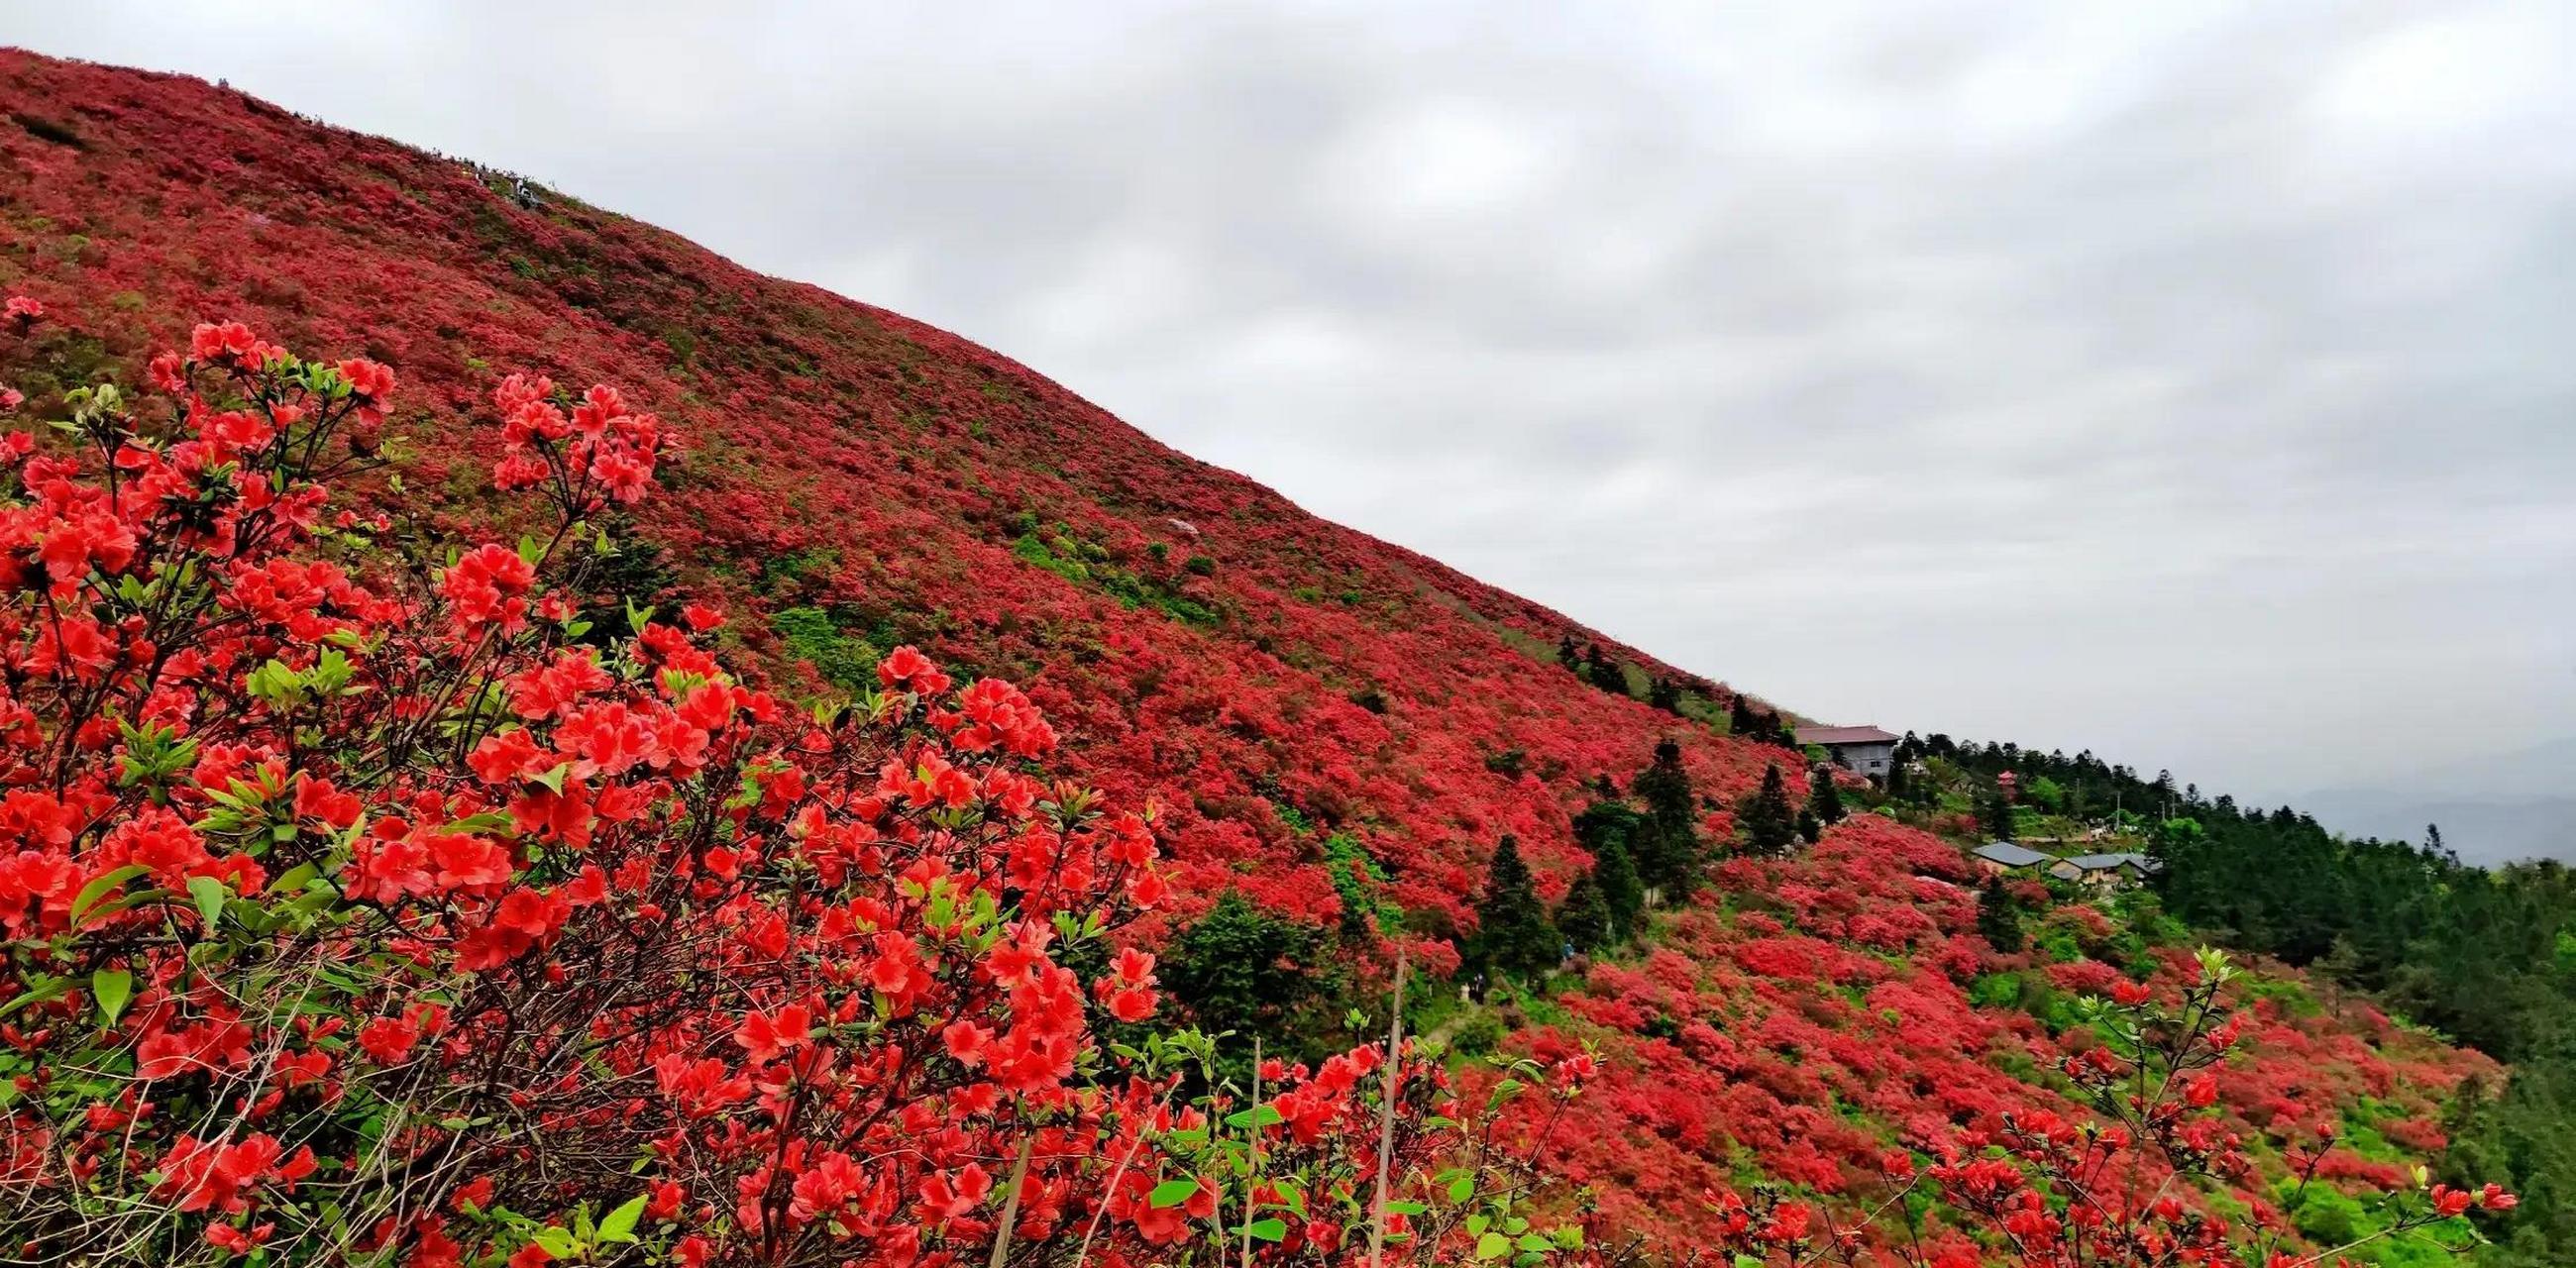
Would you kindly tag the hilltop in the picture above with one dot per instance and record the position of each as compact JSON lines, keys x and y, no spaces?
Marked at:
{"x":1338,"y":728}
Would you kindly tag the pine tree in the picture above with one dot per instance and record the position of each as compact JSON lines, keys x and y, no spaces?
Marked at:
{"x":1739,"y":719}
{"x":1897,"y":788}
{"x":1567,"y":655}
{"x":1809,"y":828}
{"x":1584,"y":917}
{"x":1998,"y":916}
{"x":1996,"y":814}
{"x":1770,"y":825}
{"x":1512,"y":930}
{"x":1824,"y":799}
{"x":1608,"y":829}
{"x":1603,"y":672}
{"x":1666,"y":695}
{"x":1667,"y":850}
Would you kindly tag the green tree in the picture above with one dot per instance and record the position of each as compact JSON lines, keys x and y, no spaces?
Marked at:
{"x":1824,"y":799}
{"x":1243,"y":969}
{"x":1996,"y":815}
{"x":1608,"y":830}
{"x":1584,"y":917}
{"x":1513,"y":934}
{"x":1568,"y":655}
{"x":1603,"y":672}
{"x":1998,"y":916}
{"x":1665,"y":694}
{"x":1769,"y":825}
{"x":1810,"y":828}
{"x":1667,"y":850}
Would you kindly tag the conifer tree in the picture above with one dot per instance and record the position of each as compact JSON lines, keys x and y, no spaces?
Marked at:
{"x":1603,"y":672}
{"x":1998,"y":916}
{"x":1584,"y":917}
{"x":1567,"y":655}
{"x":1609,"y":829}
{"x":1739,"y":718}
{"x":1770,"y":826}
{"x":1667,"y":852}
{"x":1897,"y":788}
{"x":1512,"y":930}
{"x":1824,"y":799}
{"x":1996,"y":815}
{"x":1810,"y":828}
{"x":1666,"y":695}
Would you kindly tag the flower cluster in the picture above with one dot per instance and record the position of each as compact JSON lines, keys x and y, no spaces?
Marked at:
{"x":368,"y":900}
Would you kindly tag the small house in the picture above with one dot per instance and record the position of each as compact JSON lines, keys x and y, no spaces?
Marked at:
{"x":2106,"y":871}
{"x":1862,"y":750}
{"x":1998,"y":857}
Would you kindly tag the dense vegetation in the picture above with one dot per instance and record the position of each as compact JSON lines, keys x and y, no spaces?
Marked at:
{"x":1328,"y":739}
{"x":2487,"y":956}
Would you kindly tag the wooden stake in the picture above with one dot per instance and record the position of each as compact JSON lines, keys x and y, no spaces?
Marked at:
{"x":1386,"y":1120}
{"x":1011,"y":1202}
{"x":1255,"y":1182}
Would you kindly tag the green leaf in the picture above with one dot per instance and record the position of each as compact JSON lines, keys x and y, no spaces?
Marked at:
{"x":553,"y":779}
{"x":1462,"y":1188}
{"x":98,"y":888}
{"x":1268,"y":1229}
{"x":1534,"y":1243}
{"x":210,"y":894}
{"x":1171,"y":1193}
{"x":111,"y":988}
{"x":1746,"y":1261}
{"x":1493,"y":1246}
{"x":619,"y":1225}
{"x":1258,"y":1115}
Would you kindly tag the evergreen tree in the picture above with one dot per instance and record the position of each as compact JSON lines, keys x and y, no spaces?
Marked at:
{"x":1584,"y":917}
{"x":1609,"y":829}
{"x":1739,"y":718}
{"x":1897,"y":789}
{"x":1241,"y":968}
{"x":1667,"y":851}
{"x":1998,"y":916}
{"x":1809,"y":827}
{"x":1665,"y":695}
{"x":1603,"y":672}
{"x":1996,"y":815}
{"x":1567,"y":655}
{"x":1512,"y":931}
{"x":2433,"y":838}
{"x":1770,"y":826}
{"x":1824,"y":799}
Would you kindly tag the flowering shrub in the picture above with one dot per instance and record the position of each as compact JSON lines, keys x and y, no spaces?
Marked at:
{"x":367,"y":904}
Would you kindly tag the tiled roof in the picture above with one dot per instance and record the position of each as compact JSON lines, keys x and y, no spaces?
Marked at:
{"x":2009,"y":854}
{"x":1844,"y":735}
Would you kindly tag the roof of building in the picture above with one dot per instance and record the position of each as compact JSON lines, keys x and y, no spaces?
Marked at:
{"x":2009,"y":854}
{"x":1844,"y":735}
{"x":2105,"y":862}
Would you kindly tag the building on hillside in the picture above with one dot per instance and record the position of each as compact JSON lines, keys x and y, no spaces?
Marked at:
{"x":2104,"y":871}
{"x":1862,"y":750}
{"x":1998,"y":857}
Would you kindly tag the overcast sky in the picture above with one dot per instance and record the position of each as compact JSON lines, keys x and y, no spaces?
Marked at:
{"x":2191,"y":382}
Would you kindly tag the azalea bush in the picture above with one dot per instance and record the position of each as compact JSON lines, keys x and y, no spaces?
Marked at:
{"x":2129,"y":1187}
{"x":372,"y":897}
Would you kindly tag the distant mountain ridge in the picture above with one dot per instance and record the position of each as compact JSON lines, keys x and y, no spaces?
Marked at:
{"x":2518,"y":804}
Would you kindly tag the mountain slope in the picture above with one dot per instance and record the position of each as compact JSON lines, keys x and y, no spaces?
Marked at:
{"x":1282,"y":688}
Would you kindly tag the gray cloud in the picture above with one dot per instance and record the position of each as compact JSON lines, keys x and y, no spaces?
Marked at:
{"x":2186,"y":382}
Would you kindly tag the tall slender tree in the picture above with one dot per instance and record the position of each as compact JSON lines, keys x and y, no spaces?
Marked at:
{"x":1584,"y":917}
{"x":1769,"y":824}
{"x":1998,"y":916}
{"x":1608,"y":829}
{"x":1824,"y":799}
{"x":1513,"y":934}
{"x":1668,"y":849}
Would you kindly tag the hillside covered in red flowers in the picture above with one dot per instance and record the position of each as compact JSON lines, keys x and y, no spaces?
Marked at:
{"x":1284,"y":691}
